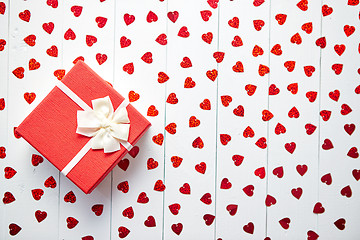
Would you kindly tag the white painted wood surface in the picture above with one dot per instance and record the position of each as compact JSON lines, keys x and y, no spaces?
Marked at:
{"x":145,"y":41}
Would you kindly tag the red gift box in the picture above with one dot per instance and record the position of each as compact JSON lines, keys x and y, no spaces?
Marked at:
{"x":51,"y":128}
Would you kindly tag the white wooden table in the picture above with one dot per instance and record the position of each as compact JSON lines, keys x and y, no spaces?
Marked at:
{"x":265,"y":74}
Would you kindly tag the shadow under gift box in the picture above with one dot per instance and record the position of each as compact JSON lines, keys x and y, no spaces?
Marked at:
{"x":51,"y":128}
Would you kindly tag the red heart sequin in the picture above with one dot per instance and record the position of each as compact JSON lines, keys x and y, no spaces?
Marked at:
{"x":260,"y":172}
{"x":129,"y":19}
{"x":29,"y":97}
{"x":249,"y":190}
{"x":133,"y":96}
{"x":205,"y":105}
{"x":70,"y":197}
{"x":76,"y":10}
{"x":185,"y":189}
{"x":52,"y":51}
{"x":261,"y":143}
{"x":48,"y":27}
{"x":303,"y":5}
{"x":232,"y":209}
{"x":33,"y":64}
{"x":30,"y":40}
{"x":159,"y":186}
{"x":40,"y":215}
{"x":327,"y":179}
{"x":173,"y":16}
{"x":301,"y":169}
{"x":285,"y":223}
{"x":289,"y":65}
{"x":325,"y":114}
{"x":205,"y":15}
{"x":183,"y":32}
{"x":174,"y":208}
{"x":237,"y":42}
{"x":70,"y":35}
{"x":59,"y":74}
{"x":234,"y":22}
{"x":267,"y":115}
{"x":225,"y":139}
{"x":345,"y":109}
{"x":213,"y":3}
{"x":198,"y":143}
{"x":19,"y":72}
{"x":150,"y":222}
{"x":279,"y":129}
{"x":212,"y":75}
{"x":152,"y":164}
{"x":340,"y":223}
{"x":207,"y":37}
{"x":14,"y":229}
{"x":339,"y":49}
{"x":50,"y":182}
{"x":307,"y":27}
{"x":177,"y":228}
{"x":257,"y":51}
{"x":238,"y":159}
{"x":310,"y":129}
{"x":273,"y":90}
{"x":25,"y":15}
{"x":270,"y":200}
{"x":258,"y":24}
{"x":297,"y":192}
{"x":9,"y":172}
{"x":152,"y":111}
{"x":8,"y":198}
{"x":312,"y":235}
{"x":293,"y":113}
{"x":263,"y":70}
{"x":296,"y":38}
{"x":52,"y":3}
{"x":101,"y":58}
{"x":158,"y":139}
{"x":249,"y":228}
{"x":176,"y":161}
{"x":123,"y":187}
{"x":318,"y":208}
{"x":327,"y":144}
{"x":161,"y":39}
{"x":349,"y":30}
{"x":201,"y":167}
{"x":248,"y":132}
{"x":225,"y":184}
{"x":326,"y":10}
{"x":90,"y":40}
{"x":128,"y":212}
{"x":209,"y":219}
{"x":219,"y":56}
{"x":71,"y":222}
{"x":353,"y":152}
{"x":349,"y":128}
{"x":281,"y":18}
{"x":290,"y":147}
{"x":279,"y":172}
{"x":206,"y":198}
{"x":143,"y":198}
{"x":37,"y":193}
{"x":276,"y":50}
{"x":309,"y":70}
{"x":346,"y":192}
{"x":101,"y":21}
{"x":123,"y":232}
{"x":151,"y":17}
{"x":186,"y":63}
{"x":36,"y":160}
{"x":238,"y":67}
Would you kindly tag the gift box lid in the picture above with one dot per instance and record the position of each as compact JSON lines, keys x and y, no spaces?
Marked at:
{"x":51,"y":127}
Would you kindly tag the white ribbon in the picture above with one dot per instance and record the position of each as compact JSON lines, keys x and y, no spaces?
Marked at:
{"x":107,"y":129}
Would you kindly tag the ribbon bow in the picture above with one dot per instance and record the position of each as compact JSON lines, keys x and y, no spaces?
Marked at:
{"x":106,"y":128}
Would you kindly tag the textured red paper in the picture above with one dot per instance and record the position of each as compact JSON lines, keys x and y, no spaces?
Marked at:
{"x":51,"y":128}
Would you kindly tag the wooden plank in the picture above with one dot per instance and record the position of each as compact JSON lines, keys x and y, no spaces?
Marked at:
{"x":137,"y":28}
{"x":195,"y":139}
{"x":338,"y":89}
{"x":294,"y":152}
{"x":30,"y":175}
{"x":88,"y":32}
{"x":242,"y":96}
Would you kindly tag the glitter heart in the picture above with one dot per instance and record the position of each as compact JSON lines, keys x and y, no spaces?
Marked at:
{"x":205,"y":105}
{"x":219,"y":56}
{"x":29,"y":97}
{"x":206,"y":198}
{"x":152,"y":111}
{"x":101,"y":58}
{"x":281,"y":18}
{"x":250,"y":89}
{"x":19,"y":72}
{"x":213,"y":3}
{"x":293,"y":88}
{"x":205,"y":15}
{"x":159,"y":186}
{"x":237,"y":42}
{"x":189,"y":83}
{"x":183,"y":32}
{"x":249,"y":228}
{"x":30,"y":40}
{"x":198,"y":143}
{"x":207,"y":37}
{"x":297,"y":192}
{"x":158,"y":139}
{"x":69,"y":35}
{"x":143,"y":198}
{"x":356,"y":174}
{"x":257,"y":3}
{"x":326,"y":10}
{"x":307,"y":27}
{"x":234,"y":22}
{"x":327,"y":145}
{"x":327,"y":179}
{"x":162,"y":77}
{"x":321,"y":42}
{"x":70,"y":197}
{"x":310,"y":129}
{"x":176,"y":161}
{"x":238,"y":67}
{"x":345,"y":109}
{"x":90,"y":40}
{"x":267,"y":115}
{"x":147,"y":57}
{"x":239,"y":111}
{"x":172,"y":99}
{"x":9,"y":172}
{"x":289,"y":65}
{"x":8,"y":198}
{"x":194,"y":122}
{"x":260,"y":172}
{"x":174,"y":208}
{"x":123,"y":232}
{"x":171,"y":128}
{"x":76,"y":10}
{"x":129,"y":19}
{"x":232,"y":209}
{"x":123,"y":187}
{"x":296,"y":38}
{"x":50,"y":182}
{"x":225,"y":139}
{"x":312,"y":235}
{"x":133,"y":96}
{"x":14,"y":229}
{"x":33,"y":64}
{"x":36,"y":159}
{"x":293,"y":113}
{"x":151,"y":17}
{"x":212,"y":75}
{"x":225,"y":184}
{"x":249,"y":190}
{"x":25,"y":15}
{"x":52,"y":51}
{"x":52,"y":3}
{"x":339,"y":49}
{"x":2,"y":8}
{"x":238,"y":159}
{"x":334,"y":95}
{"x":257,"y":51}
{"x":185,"y":189}
{"x":124,"y":42}
{"x":258,"y":24}
{"x":337,"y":68}
{"x":279,"y":172}
{"x":161,"y":39}
{"x":150,"y":222}
{"x":101,"y":21}
{"x":152,"y":164}
{"x":209,"y":219}
{"x":311,"y":96}
{"x":129,"y":68}
{"x":285,"y":223}
{"x":48,"y":27}
{"x":71,"y":222}
{"x":273,"y":90}
{"x":340,"y":223}
{"x":263,"y":70}
{"x":248,"y":132}
{"x":173,"y":16}
{"x":349,"y":30}
{"x":276,"y":50}
{"x":353,"y":152}
{"x":270,"y":200}
{"x":201,"y":167}
{"x":40,"y":215}
{"x":128,"y":212}
{"x":290,"y":147}
{"x":59,"y":74}
{"x":301,"y":169}
{"x":37,"y":193}
{"x":261,"y":143}
{"x":124,"y":164}
{"x":349,"y":128}
{"x":303,"y":5}
{"x":318,"y":208}
{"x":177,"y":228}
{"x":2,"y":152}
{"x":346,"y":192}
{"x":279,"y":128}
{"x":186,"y":63}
